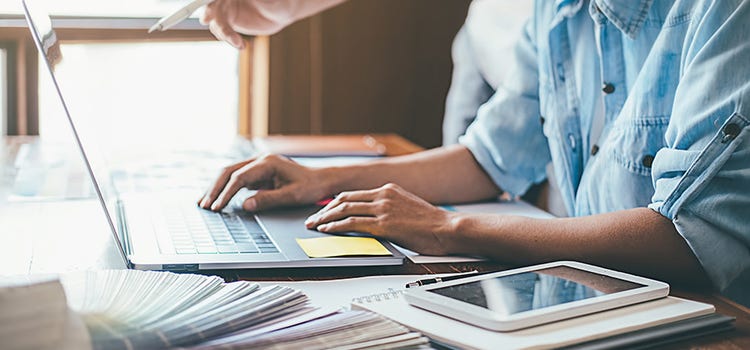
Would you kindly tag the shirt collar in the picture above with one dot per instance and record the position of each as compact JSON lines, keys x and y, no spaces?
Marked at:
{"x":627,"y":15}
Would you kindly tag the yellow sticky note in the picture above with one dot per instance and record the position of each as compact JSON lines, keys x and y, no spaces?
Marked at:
{"x":326,"y":247}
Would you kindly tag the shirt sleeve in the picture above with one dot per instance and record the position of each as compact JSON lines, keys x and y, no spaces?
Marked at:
{"x":467,"y":92}
{"x":702,"y":177}
{"x":506,"y":139}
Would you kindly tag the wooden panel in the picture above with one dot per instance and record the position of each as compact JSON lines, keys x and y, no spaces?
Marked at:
{"x":72,"y":35}
{"x":260,"y":77}
{"x":253,"y":88}
{"x":28,"y":87}
{"x":367,"y":66}
{"x":10,"y":88}
{"x":370,"y":53}
{"x":22,"y":85}
{"x":289,"y":79}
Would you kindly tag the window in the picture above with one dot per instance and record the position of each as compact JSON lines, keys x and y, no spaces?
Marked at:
{"x":3,"y":91}
{"x":162,"y":95}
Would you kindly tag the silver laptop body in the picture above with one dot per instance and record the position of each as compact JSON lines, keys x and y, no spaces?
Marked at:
{"x":168,"y":231}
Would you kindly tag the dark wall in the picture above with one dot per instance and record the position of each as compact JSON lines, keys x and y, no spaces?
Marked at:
{"x":366,"y":66}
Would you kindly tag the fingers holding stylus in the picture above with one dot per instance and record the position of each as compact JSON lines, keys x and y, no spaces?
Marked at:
{"x":219,"y":15}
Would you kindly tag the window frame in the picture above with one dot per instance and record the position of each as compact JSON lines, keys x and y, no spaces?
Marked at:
{"x":22,"y":59}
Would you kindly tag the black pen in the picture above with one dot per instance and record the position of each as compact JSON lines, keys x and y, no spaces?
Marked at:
{"x":424,"y":282}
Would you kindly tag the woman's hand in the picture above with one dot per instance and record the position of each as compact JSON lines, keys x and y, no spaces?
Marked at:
{"x":392,"y":213}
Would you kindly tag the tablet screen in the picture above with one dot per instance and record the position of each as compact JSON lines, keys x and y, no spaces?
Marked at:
{"x":533,"y":290}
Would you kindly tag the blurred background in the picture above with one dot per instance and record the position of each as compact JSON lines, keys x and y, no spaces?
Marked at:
{"x":169,"y":109}
{"x":180,"y":102}
{"x":365,"y":66}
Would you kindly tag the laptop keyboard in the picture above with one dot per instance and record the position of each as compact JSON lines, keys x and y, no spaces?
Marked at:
{"x":196,"y":231}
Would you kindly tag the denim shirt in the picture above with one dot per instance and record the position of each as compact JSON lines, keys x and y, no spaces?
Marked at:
{"x":675,"y":80}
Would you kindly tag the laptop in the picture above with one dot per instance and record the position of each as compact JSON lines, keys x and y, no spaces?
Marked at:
{"x":168,"y":231}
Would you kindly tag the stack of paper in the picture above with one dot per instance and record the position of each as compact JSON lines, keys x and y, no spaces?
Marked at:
{"x":341,"y":330}
{"x":145,"y":309}
{"x":126,"y":309}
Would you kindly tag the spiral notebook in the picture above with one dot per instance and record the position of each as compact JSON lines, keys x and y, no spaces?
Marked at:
{"x":341,"y":293}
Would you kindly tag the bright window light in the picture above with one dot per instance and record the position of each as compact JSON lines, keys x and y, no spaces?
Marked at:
{"x":160,"y":96}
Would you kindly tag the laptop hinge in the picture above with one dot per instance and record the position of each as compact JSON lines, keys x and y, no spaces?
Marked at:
{"x":123,"y":229}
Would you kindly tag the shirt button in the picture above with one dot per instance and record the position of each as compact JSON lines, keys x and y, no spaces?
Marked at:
{"x":730,"y":131}
{"x":572,"y":141}
{"x":594,"y":150}
{"x":608,"y":88}
{"x":647,"y":160}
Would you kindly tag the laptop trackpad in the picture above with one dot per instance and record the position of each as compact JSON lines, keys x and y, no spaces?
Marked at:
{"x":286,"y":225}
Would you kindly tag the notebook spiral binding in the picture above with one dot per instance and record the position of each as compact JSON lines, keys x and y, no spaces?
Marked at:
{"x":390,"y":294}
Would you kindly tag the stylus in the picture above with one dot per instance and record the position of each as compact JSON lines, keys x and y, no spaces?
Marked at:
{"x":178,"y":16}
{"x":424,"y":282}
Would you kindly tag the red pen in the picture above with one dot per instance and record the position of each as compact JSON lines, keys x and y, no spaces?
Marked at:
{"x":324,"y":202}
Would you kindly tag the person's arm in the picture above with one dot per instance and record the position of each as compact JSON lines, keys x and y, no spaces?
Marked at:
{"x":639,"y":240}
{"x":506,"y":123}
{"x":441,"y":175}
{"x":229,"y":19}
{"x":701,"y":178}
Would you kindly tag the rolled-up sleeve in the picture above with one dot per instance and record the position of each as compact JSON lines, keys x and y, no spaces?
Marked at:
{"x":506,"y":139}
{"x":702,"y":177}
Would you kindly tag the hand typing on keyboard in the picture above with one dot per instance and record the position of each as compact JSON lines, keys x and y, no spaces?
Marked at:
{"x":239,"y":198}
{"x":278,"y":180}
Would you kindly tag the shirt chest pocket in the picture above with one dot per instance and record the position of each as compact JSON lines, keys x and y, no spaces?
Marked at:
{"x":633,"y":144}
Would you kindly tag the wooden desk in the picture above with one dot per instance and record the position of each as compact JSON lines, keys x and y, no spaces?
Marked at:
{"x":53,"y":244}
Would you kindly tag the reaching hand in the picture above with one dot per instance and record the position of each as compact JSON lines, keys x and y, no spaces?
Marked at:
{"x":229,"y":19}
{"x":279,"y":181}
{"x":389,"y":212}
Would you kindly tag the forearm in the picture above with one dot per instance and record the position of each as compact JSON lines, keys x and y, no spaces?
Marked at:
{"x":441,"y":175}
{"x":639,"y":240}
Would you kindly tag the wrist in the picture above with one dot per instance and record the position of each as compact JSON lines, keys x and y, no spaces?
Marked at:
{"x":330,"y":180}
{"x":346,"y":178}
{"x":451,"y":235}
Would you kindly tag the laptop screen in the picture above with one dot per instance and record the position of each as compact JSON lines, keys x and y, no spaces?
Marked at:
{"x":48,"y":46}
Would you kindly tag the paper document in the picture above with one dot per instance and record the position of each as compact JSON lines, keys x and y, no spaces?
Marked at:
{"x":320,"y":146}
{"x":322,"y":162}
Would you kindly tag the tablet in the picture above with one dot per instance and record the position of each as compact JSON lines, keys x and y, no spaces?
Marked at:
{"x":530,"y":296}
